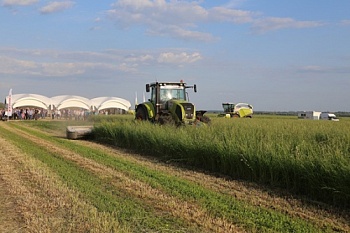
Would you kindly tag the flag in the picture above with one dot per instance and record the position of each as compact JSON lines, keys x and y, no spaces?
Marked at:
{"x":9,"y":104}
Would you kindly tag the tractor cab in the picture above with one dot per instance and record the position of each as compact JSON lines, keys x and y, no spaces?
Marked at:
{"x":162,"y":92}
{"x":228,"y":107}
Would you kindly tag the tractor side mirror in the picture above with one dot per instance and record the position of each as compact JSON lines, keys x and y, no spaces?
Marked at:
{"x":147,"y":87}
{"x":195,"y":88}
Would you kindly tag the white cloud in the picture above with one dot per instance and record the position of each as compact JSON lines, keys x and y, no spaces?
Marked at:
{"x":231,"y":15}
{"x":325,"y":69}
{"x":15,"y":66}
{"x":18,"y":2}
{"x":56,"y":7}
{"x":127,"y":68}
{"x":314,"y":68}
{"x":174,"y":19}
{"x":139,"y":58}
{"x":273,"y":23}
{"x":179,"y":19}
{"x":52,"y":63}
{"x":178,"y":58}
{"x":180,"y":33}
{"x":345,"y":22}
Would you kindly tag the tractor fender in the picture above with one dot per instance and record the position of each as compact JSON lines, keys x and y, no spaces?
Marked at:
{"x":149,"y":108}
{"x":176,"y":110}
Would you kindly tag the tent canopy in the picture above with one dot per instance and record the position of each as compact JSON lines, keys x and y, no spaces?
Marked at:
{"x":70,"y":101}
{"x":29,"y":100}
{"x":67,"y":101}
{"x":102,"y":103}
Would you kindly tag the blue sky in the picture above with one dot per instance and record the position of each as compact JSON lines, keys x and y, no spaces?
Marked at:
{"x":276,"y":55}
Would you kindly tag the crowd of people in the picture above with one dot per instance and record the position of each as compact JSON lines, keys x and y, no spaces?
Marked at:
{"x":36,"y":113}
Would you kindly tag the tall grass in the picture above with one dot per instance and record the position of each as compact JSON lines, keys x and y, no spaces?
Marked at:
{"x":306,"y":157}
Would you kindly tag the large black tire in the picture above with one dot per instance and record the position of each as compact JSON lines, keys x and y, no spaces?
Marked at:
{"x":141,"y":114}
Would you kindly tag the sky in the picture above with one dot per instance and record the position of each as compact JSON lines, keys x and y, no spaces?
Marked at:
{"x":276,"y":55}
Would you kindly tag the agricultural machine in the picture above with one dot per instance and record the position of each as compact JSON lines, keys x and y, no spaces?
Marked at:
{"x":169,"y":105}
{"x":239,"y":110}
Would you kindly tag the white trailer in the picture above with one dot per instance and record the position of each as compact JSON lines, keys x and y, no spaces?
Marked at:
{"x":328,"y":116}
{"x":313,"y":115}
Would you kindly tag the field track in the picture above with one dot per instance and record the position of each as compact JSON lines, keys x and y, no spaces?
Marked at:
{"x":34,"y":196}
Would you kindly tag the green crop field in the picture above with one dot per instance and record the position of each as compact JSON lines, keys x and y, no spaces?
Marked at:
{"x":305,"y":157}
{"x":265,"y":174}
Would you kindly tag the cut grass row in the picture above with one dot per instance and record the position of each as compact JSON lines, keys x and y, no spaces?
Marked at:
{"x":99,"y":191}
{"x":128,"y":212}
{"x":41,"y":202}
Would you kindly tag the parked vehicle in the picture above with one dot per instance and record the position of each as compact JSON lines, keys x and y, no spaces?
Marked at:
{"x":328,"y":116}
{"x":237,"y":110}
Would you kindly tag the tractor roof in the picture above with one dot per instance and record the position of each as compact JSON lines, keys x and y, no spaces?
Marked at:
{"x":168,"y":83}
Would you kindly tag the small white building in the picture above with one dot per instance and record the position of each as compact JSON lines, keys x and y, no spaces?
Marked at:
{"x":312,"y":115}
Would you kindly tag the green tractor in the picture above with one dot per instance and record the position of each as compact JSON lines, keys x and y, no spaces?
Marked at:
{"x":169,"y":105}
{"x":239,"y":110}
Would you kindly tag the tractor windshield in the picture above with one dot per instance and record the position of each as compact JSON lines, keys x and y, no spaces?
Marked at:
{"x":169,"y":92}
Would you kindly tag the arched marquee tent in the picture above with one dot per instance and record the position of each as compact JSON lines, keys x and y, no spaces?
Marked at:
{"x":102,"y":103}
{"x":70,"y":101}
{"x":29,"y":100}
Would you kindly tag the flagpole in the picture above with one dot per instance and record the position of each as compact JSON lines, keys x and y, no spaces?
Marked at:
{"x":9,"y":105}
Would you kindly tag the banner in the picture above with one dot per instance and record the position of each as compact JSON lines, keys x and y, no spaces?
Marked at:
{"x":9,"y":104}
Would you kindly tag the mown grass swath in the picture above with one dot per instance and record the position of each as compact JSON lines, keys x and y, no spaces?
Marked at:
{"x":128,"y":211}
{"x":219,"y":205}
{"x":303,"y":156}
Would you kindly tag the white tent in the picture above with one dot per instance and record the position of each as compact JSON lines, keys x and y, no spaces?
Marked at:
{"x":102,"y":103}
{"x":29,"y":100}
{"x":68,"y":101}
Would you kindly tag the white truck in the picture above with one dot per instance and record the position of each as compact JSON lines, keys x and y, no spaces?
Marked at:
{"x":328,"y":116}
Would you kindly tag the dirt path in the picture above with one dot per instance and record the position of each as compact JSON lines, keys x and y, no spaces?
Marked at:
{"x":244,"y":191}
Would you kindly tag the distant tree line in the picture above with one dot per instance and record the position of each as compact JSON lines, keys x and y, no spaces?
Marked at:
{"x":288,"y":113}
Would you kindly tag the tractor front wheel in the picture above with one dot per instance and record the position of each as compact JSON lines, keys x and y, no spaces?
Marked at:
{"x":141,"y":114}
